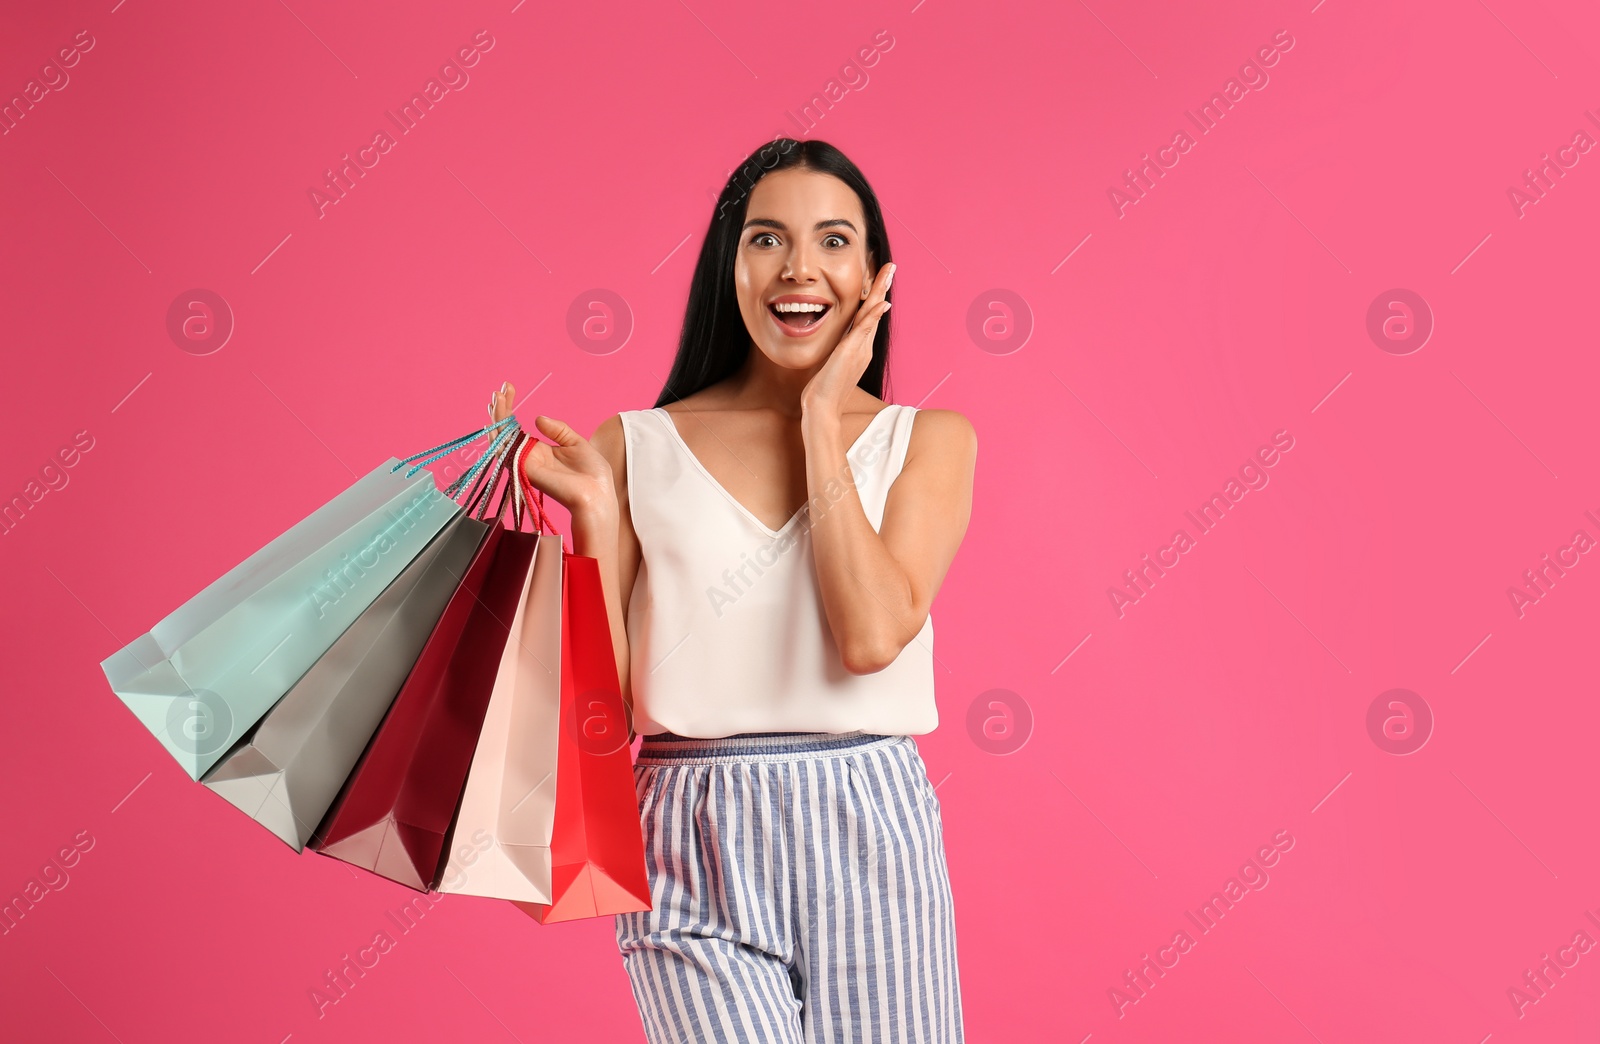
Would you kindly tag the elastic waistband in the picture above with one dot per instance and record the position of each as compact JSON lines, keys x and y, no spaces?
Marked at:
{"x":666,"y":748}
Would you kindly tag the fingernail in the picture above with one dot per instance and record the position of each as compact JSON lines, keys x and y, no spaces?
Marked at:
{"x":893,"y":271}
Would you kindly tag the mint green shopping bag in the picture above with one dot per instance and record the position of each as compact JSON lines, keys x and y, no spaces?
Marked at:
{"x":201,"y":678}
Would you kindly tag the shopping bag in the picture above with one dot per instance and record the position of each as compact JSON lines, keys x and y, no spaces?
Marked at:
{"x":597,"y":840}
{"x":286,"y":772}
{"x":500,"y":840}
{"x":207,"y":672}
{"x":394,"y":812}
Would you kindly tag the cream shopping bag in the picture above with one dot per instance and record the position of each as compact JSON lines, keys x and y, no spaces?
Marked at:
{"x":500,"y":841}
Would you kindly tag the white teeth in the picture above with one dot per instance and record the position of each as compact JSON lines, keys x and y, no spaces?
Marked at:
{"x":796,"y":306}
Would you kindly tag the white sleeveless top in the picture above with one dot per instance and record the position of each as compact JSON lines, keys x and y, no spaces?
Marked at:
{"x":726,"y":627}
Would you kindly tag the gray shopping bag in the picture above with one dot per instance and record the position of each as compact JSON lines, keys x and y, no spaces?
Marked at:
{"x":286,"y":773}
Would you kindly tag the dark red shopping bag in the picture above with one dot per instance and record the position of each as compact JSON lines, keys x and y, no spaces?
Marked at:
{"x":395,"y":810}
{"x":597,"y":846}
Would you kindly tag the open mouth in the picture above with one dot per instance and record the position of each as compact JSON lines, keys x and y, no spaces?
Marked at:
{"x":799,"y":318}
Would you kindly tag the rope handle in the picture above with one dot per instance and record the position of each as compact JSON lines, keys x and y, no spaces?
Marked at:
{"x":501,"y":442}
{"x":444,"y":448}
{"x":525,"y":488}
{"x":477,"y":491}
{"x":509,"y":446}
{"x":482,"y":492}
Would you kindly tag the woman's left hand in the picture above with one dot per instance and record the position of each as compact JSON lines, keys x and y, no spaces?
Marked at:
{"x":826,"y":393}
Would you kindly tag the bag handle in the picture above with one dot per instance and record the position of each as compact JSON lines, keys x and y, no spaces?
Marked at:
{"x":501,"y":442}
{"x":509,"y":495}
{"x":502,"y":458}
{"x":520,"y":506}
{"x":477,"y":488}
{"x":475,"y":493}
{"x":444,"y":448}
{"x":507,"y":435}
{"x":526,"y":489}
{"x":509,"y":447}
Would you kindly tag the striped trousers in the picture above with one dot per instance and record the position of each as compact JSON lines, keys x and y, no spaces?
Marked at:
{"x":799,"y":893}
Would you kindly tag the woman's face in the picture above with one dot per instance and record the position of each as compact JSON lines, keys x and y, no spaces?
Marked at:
{"x":803,"y":243}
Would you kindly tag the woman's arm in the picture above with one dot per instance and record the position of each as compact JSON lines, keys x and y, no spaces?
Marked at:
{"x":590,"y":480}
{"x":878,"y":586}
{"x":604,"y":530}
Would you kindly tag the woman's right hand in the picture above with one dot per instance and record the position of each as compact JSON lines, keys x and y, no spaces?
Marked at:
{"x":572,"y":471}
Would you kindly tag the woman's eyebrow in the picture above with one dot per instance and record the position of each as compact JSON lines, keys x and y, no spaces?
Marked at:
{"x":818,"y":227}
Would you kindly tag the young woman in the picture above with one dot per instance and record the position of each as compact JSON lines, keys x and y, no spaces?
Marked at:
{"x":771,"y":536}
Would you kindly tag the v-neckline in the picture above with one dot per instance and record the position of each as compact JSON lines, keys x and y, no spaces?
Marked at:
{"x":672,"y":427}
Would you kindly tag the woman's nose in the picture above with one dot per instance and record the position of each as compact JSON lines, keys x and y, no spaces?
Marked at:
{"x":801,"y":266}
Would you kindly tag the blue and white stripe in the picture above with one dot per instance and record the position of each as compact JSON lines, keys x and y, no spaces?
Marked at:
{"x":800,"y":893}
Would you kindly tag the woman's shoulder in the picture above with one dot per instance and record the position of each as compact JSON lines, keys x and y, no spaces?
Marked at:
{"x":942,"y":433}
{"x":947,"y":421}
{"x":612,"y":428}
{"x":610,"y":439}
{"x":612,"y":436}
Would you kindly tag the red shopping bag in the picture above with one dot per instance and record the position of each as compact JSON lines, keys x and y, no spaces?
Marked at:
{"x":394,"y":812}
{"x":597,"y":847}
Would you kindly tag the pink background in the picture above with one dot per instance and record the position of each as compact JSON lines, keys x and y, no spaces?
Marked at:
{"x":1149,"y":355}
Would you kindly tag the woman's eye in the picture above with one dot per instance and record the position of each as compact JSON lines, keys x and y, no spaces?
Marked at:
{"x":759,"y":238}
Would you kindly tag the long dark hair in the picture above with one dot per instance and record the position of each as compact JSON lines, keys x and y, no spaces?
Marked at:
{"x":714,"y":343}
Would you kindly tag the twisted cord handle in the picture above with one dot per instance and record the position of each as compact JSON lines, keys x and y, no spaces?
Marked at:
{"x":500,"y":443}
{"x":444,"y":448}
{"x":525,"y":487}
